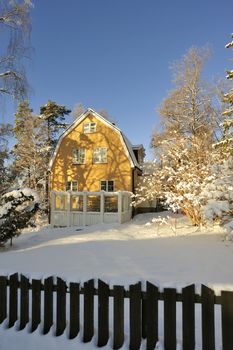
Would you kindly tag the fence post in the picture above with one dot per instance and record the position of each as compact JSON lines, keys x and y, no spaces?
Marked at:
{"x":119,"y":207}
{"x":118,"y":314}
{"x":3,"y":298}
{"x":68,"y":213}
{"x":13,"y":300}
{"x":24,"y":302}
{"x":52,"y":208}
{"x":170,"y":319}
{"x":102,"y":198}
{"x":84,"y":208}
{"x":227,"y":320}
{"x":103,"y":313}
{"x":208,"y":332}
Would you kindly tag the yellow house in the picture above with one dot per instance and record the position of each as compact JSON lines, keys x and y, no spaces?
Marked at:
{"x":93,"y":155}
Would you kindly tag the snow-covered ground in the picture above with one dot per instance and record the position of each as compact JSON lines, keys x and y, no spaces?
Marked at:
{"x":120,"y":254}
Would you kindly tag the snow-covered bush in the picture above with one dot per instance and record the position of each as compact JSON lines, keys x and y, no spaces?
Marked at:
{"x":180,"y":175}
{"x":217,"y":196}
{"x":17,"y":209}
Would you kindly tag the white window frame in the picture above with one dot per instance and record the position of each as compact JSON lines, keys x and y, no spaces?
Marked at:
{"x":99,"y":158}
{"x":89,"y":128}
{"x":107,"y":185}
{"x":72,"y":185}
{"x":79,"y":156}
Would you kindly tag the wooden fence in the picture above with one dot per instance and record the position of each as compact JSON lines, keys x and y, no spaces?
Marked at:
{"x":51,"y":304}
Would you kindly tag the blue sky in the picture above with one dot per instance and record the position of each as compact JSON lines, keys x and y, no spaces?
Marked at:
{"x":115,"y":55}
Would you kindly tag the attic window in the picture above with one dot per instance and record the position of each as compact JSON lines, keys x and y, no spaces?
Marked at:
{"x":89,"y":128}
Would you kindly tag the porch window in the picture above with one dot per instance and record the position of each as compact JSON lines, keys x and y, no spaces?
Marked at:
{"x":107,"y":185}
{"x":79,"y":156}
{"x":111,"y":204}
{"x":93,"y":203}
{"x":89,"y":128}
{"x":60,"y":202}
{"x":72,"y":186}
{"x":76,"y":203}
{"x":100,"y":155}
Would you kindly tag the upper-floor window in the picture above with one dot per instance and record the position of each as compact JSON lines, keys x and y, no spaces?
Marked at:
{"x":79,"y":156}
{"x":89,"y":127}
{"x":100,"y":155}
{"x":72,"y":186}
{"x":107,"y":185}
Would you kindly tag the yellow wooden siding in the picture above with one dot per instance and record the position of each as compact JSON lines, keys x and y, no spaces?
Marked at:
{"x":89,"y":175}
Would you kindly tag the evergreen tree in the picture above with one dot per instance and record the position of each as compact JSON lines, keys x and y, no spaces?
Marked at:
{"x":53,"y":116}
{"x":218,"y":193}
{"x":5,"y":132}
{"x":227,"y":141}
{"x":29,"y":158}
{"x":17,"y":209}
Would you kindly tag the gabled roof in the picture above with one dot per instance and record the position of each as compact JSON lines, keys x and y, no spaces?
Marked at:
{"x":125,"y":142}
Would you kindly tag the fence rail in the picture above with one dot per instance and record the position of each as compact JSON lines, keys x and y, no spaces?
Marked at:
{"x":51,"y":301}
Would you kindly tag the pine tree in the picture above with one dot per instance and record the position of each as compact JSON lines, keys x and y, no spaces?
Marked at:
{"x":29,"y":159}
{"x":5,"y":132}
{"x":227,"y":141}
{"x":218,"y":193}
{"x":53,"y":117}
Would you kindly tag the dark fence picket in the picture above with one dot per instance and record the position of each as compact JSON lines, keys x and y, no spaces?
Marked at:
{"x":103,"y":313}
{"x":3,"y":298}
{"x":135,"y":316}
{"x":208,"y":332}
{"x":227,"y":320}
{"x":151,"y":316}
{"x":61,"y":307}
{"x":13,"y":300}
{"x":74,"y":310}
{"x":118,"y":317}
{"x":48,"y":304}
{"x":169,"y":319}
{"x":188,"y":317}
{"x":144,"y":304}
{"x":88,"y":329}
{"x":36,"y":304}
{"x":24,"y":302}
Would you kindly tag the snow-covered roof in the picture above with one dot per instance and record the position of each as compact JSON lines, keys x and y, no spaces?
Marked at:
{"x":125,"y":141}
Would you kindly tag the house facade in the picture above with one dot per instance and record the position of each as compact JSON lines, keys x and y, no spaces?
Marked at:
{"x":94,"y":155}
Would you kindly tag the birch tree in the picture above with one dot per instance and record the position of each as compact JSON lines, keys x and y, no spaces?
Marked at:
{"x":15,"y":32}
{"x":183,"y":147}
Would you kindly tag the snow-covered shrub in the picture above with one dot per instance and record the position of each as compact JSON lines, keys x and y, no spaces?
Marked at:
{"x":217,"y":196}
{"x":17,"y":209}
